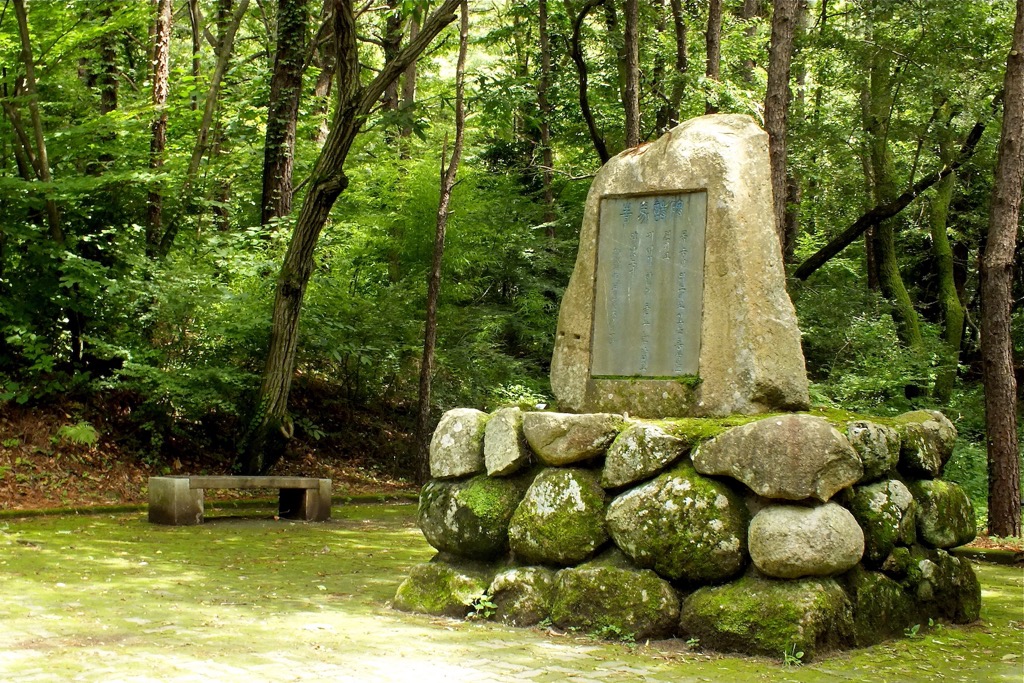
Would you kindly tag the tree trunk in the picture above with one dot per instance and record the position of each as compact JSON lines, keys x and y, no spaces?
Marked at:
{"x":713,"y":39}
{"x":283,"y":110}
{"x":682,"y":60}
{"x":269,"y":428}
{"x":434,"y":281}
{"x":161,"y":75}
{"x":547,"y":156}
{"x":1004,"y":504}
{"x":631,"y":92}
{"x":949,"y":297}
{"x":193,"y":20}
{"x":326,"y":57}
{"x":576,"y":52}
{"x":409,"y":90}
{"x":776,"y":106}
{"x":750,"y":11}
{"x":392,"y":43}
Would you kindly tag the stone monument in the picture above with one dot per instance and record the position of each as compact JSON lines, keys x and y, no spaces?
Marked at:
{"x":677,"y":305}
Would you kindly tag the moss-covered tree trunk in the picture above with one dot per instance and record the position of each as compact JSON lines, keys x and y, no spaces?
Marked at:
{"x":949,"y":298}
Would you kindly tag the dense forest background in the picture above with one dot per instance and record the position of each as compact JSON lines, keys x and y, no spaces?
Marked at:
{"x":154,"y":157}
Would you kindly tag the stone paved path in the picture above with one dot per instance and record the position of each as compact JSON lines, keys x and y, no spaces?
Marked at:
{"x":112,"y":599}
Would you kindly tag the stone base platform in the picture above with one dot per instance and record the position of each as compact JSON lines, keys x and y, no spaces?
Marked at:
{"x":178,"y":500}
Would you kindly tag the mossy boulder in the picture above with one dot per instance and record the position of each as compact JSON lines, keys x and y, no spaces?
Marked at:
{"x":877,"y":445}
{"x":561,"y":439}
{"x":470,"y":517}
{"x":945,"y":585}
{"x":445,"y":586}
{"x":682,"y":525}
{"x":945,"y":515}
{"x":457,"y":446}
{"x":928,"y":438}
{"x":560,"y":520}
{"x":882,"y":609}
{"x":522,"y":595}
{"x":787,"y":457}
{"x":639,"y":452}
{"x":792,"y":541}
{"x":761,"y":616}
{"x":886,"y":511}
{"x":611,"y":597}
{"x":505,"y":448}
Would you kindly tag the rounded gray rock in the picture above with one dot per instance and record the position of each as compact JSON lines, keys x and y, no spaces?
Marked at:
{"x":561,"y":439}
{"x":788,"y":457}
{"x":928,"y":440}
{"x":640,"y":451}
{"x":470,"y":517}
{"x":457,"y":446}
{"x":561,"y":518}
{"x":886,"y":512}
{"x":505,"y":449}
{"x":877,"y":445}
{"x":792,"y":541}
{"x":522,"y":595}
{"x":945,"y":515}
{"x":683,"y":526}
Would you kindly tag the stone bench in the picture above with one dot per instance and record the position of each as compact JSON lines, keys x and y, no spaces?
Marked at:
{"x":178,"y":500}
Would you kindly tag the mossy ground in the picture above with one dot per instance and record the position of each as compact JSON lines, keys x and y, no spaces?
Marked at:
{"x":110,"y":597}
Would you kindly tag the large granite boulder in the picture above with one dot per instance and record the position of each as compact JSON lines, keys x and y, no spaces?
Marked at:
{"x":505,"y":449}
{"x":768,"y":617}
{"x":457,"y":446}
{"x":945,"y":515}
{"x":470,"y":517}
{"x":945,"y":585}
{"x":886,"y":511}
{"x":609,"y":597}
{"x":877,"y":445}
{"x":445,"y":586}
{"x":561,"y":518}
{"x":928,"y":438}
{"x":639,"y":452}
{"x":561,"y":439}
{"x":750,"y":358}
{"x":881,"y":608}
{"x":683,"y":526}
{"x":788,"y":457}
{"x":792,"y":541}
{"x":522,"y":595}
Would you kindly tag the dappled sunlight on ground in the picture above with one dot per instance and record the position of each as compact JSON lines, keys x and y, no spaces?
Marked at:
{"x":113,"y":598}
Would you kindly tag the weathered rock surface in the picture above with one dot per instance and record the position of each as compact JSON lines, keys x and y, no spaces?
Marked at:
{"x":683,"y":526}
{"x":928,"y":440}
{"x":640,"y":451}
{"x":611,"y":598}
{"x":767,"y":617}
{"x":561,"y":518}
{"x":886,"y":511}
{"x":789,"y":457}
{"x":505,"y":449}
{"x":792,"y":541}
{"x":877,"y":445}
{"x":750,"y":355}
{"x":881,"y":608}
{"x":561,"y":439}
{"x":443,"y":587}
{"x":945,"y":586}
{"x":522,"y":595}
{"x":457,"y":446}
{"x":470,"y":517}
{"x":945,"y":515}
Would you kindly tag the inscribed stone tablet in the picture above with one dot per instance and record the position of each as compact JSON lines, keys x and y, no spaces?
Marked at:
{"x":649,"y":285}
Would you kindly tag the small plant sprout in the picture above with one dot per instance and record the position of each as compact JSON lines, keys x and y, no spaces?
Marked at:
{"x":482,"y":607}
{"x":791,"y":656}
{"x":913,"y":631}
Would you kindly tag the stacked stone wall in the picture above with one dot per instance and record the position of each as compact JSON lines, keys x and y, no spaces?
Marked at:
{"x":749,"y":534}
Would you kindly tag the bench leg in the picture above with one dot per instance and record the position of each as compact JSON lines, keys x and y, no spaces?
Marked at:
{"x":312,"y":505}
{"x":172,"y":502}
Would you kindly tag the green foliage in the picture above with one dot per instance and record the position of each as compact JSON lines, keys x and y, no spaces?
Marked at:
{"x":81,"y":434}
{"x":792,"y":656}
{"x":614,"y":632}
{"x":481,"y":608}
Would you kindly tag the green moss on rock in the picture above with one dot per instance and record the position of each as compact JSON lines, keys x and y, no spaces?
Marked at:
{"x":886,"y":511}
{"x":945,"y":515}
{"x":766,"y":617}
{"x":944,"y":585}
{"x":610,"y":595}
{"x":443,"y":587}
{"x":881,"y":607}
{"x":470,"y":517}
{"x":927,"y":443}
{"x":522,"y":595}
{"x":561,"y":518}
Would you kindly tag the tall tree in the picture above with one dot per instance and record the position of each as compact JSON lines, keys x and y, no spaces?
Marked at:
{"x":776,"y":105}
{"x":434,"y":279}
{"x":161,"y":74}
{"x":270,"y":428}
{"x":682,"y":61}
{"x":1004,"y":504}
{"x":283,"y":109}
{"x":578,"y":58}
{"x":713,"y":42}
{"x":631,"y":91}
{"x":544,"y":105}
